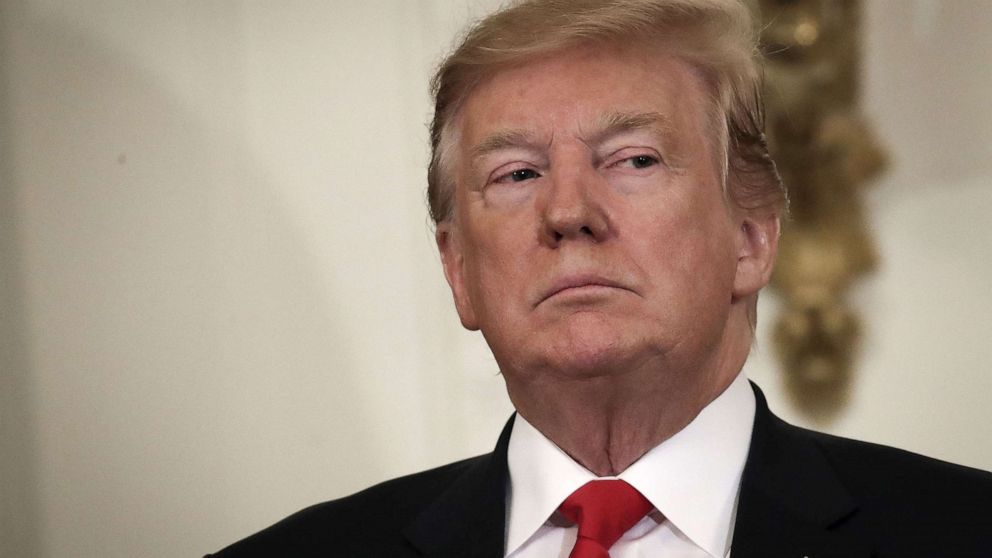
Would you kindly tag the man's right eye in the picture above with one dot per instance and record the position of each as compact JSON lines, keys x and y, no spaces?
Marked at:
{"x":518,"y":175}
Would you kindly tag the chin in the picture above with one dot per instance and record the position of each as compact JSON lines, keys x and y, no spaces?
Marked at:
{"x":583,"y":345}
{"x":592,"y":362}
{"x":589,"y":350}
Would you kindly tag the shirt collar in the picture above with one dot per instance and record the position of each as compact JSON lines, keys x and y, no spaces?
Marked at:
{"x":692,"y":478}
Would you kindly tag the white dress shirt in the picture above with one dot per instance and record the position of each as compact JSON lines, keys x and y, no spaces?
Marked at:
{"x":692,"y":479}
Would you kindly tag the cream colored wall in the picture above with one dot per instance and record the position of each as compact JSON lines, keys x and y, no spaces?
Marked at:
{"x":220,"y":297}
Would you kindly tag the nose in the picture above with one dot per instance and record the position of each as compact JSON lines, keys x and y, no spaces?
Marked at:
{"x":574,"y":207}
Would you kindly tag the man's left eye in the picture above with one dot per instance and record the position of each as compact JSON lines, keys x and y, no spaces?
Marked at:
{"x":638,"y":161}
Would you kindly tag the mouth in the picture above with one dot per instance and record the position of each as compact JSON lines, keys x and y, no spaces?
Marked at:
{"x":580,"y":285}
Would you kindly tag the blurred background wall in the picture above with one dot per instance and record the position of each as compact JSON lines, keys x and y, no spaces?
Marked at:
{"x":220,"y":296}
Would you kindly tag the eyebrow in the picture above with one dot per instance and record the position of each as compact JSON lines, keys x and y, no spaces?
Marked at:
{"x":608,"y":126}
{"x":657,"y":124}
{"x":502,"y":140}
{"x":617,"y":123}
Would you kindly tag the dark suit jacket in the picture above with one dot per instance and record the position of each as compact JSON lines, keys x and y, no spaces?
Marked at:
{"x":803,"y":494}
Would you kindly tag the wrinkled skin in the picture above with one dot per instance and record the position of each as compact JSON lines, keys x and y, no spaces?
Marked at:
{"x":593,"y":246}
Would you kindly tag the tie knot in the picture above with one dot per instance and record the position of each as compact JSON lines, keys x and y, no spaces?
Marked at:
{"x":605,"y":509}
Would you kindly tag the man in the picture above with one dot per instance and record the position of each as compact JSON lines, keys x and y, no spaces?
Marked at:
{"x":606,"y":214}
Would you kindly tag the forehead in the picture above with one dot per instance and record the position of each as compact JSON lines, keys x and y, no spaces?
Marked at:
{"x":575,"y":88}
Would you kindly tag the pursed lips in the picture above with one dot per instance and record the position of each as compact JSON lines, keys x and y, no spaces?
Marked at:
{"x":579,"y":281}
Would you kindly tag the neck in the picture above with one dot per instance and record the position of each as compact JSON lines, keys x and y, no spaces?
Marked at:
{"x":607,"y":421}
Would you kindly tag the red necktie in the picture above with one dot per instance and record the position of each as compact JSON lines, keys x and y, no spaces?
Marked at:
{"x":604,"y":511}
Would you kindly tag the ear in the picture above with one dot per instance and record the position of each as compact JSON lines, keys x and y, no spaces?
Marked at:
{"x":453,"y":260}
{"x":757,"y":247}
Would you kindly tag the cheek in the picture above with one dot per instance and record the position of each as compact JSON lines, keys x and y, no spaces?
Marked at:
{"x":496,"y":270}
{"x":691,"y":251}
{"x":691,"y":287}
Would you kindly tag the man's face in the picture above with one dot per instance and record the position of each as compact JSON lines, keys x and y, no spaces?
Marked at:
{"x":591,"y":231}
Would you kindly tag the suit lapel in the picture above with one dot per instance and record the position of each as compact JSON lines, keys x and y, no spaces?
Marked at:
{"x":792,"y":504}
{"x":468,"y":520}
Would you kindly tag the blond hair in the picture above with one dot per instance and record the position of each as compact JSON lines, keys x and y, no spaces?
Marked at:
{"x":716,"y":37}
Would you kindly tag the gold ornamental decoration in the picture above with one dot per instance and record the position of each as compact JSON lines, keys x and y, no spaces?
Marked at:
{"x":826,"y":153}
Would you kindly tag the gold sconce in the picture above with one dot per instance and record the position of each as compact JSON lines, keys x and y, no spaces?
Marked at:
{"x":826,"y":153}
